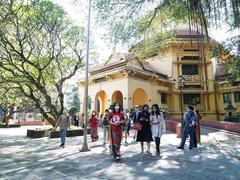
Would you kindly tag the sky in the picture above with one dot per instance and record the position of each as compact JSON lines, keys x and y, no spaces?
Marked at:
{"x":78,"y":11}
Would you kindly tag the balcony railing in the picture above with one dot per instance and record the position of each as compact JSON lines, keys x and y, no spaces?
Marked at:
{"x":192,"y":77}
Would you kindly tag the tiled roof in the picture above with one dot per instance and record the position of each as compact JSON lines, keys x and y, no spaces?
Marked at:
{"x":187,"y":32}
{"x":221,"y":71}
{"x":123,"y":63}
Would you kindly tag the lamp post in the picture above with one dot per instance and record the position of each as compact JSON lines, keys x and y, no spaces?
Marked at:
{"x":85,"y":145}
{"x":181,"y":84}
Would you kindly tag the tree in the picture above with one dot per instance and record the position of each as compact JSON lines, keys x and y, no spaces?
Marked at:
{"x":73,"y":110}
{"x":228,"y":53}
{"x":133,"y":16}
{"x":139,"y":19}
{"x":12,"y":97}
{"x":40,"y":49}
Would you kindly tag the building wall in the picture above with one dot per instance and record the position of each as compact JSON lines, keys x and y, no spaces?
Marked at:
{"x":169,"y":62}
{"x":204,"y":80}
{"x":128,"y":86}
{"x":221,"y":89}
{"x":151,"y":89}
{"x":109,"y":87}
{"x":163,"y":62}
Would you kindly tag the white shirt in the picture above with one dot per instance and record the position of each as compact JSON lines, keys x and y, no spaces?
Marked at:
{"x":158,"y":125}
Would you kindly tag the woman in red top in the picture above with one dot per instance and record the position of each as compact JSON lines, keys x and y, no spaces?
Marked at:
{"x":116,"y":120}
{"x":197,"y":133}
{"x":94,"y":126}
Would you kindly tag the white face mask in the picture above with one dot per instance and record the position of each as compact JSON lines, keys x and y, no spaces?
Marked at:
{"x":117,"y":108}
{"x":93,"y":114}
{"x":154,"y":110}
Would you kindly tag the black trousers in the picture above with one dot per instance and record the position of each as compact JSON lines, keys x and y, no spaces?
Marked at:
{"x":157,"y":142}
{"x":195,"y":139}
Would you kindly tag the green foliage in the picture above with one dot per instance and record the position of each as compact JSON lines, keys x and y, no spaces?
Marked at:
{"x":152,"y":45}
{"x":231,"y":66}
{"x":40,"y":48}
{"x":76,"y":102}
{"x":229,"y":53}
{"x":133,"y":20}
{"x":73,"y":111}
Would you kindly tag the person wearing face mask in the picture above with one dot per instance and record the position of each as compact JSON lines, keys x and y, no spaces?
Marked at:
{"x":134,"y":116}
{"x":158,"y":126}
{"x":145,"y":134}
{"x":106,"y":126}
{"x":94,"y":126}
{"x":126,"y":126}
{"x":116,"y":120}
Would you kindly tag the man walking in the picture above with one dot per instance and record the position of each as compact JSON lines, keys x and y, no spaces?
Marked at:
{"x":64,"y":124}
{"x":188,"y":127}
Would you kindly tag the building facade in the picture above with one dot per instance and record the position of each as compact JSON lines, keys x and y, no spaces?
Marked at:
{"x":227,"y":94}
{"x":138,"y":80}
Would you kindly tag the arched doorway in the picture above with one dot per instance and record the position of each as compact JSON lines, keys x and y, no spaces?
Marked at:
{"x":139,"y":97}
{"x":117,"y":97}
{"x":101,"y":101}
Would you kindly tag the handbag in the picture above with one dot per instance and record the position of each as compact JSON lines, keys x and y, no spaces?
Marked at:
{"x":137,"y":126}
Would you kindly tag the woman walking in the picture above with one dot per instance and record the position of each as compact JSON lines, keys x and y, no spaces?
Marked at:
{"x":94,"y":126}
{"x":76,"y":120}
{"x":106,"y":126}
{"x":158,"y":126}
{"x":116,"y":120}
{"x":145,"y":134}
{"x":197,"y":132}
{"x":126,"y":126}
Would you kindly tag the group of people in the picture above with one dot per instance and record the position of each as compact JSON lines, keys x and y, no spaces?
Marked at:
{"x":148,"y":125}
{"x":117,"y":120}
{"x":78,"y":120}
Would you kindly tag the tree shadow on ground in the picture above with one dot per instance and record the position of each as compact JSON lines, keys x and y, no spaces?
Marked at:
{"x":44,"y":158}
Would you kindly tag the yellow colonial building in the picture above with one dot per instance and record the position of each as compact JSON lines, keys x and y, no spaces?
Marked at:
{"x":227,"y":94}
{"x":137,"y":79}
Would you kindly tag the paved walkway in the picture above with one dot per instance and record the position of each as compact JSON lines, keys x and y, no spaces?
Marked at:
{"x":217,"y":158}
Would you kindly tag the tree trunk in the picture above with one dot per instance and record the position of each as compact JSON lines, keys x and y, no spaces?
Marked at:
{"x":51,"y":121}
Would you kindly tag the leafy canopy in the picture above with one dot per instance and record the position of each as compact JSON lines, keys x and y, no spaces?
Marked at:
{"x":40,"y":49}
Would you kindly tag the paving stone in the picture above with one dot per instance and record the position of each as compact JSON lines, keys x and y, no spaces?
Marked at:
{"x":217,"y":158}
{"x":55,"y":176}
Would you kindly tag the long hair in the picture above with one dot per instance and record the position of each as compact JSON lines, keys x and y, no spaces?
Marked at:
{"x":157,"y":109}
{"x":143,"y":111}
{"x":120,"y":107}
{"x":197,"y":112}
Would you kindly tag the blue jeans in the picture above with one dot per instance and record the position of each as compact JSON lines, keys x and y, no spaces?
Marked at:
{"x":63,"y":134}
{"x":188,"y":131}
